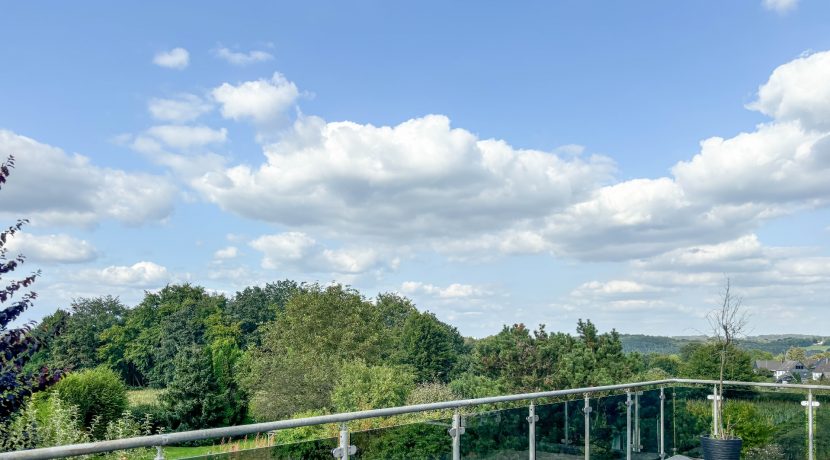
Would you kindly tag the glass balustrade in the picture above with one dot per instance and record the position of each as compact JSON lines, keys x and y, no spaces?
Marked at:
{"x":642,"y":423}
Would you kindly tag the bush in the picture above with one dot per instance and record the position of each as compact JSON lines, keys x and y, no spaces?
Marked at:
{"x":44,"y":421}
{"x":97,"y":393}
{"x":363,"y":387}
{"x":476,"y":386}
{"x":426,"y":393}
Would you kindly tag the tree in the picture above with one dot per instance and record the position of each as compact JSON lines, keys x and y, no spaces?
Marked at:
{"x":727,"y":323}
{"x":77,"y":346}
{"x":255,"y":306}
{"x":320,"y":328}
{"x":193,"y":399}
{"x":796,"y":354}
{"x":430,"y":347}
{"x":144,"y":346}
{"x":17,"y":345}
{"x":702,"y":361}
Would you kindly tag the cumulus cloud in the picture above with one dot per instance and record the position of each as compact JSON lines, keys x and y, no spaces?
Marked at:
{"x":54,"y":248}
{"x":427,"y":184}
{"x":229,"y":252}
{"x":141,"y":274}
{"x":240,"y":58}
{"x":185,"y":137}
{"x":260,"y":100}
{"x":176,"y":58}
{"x":798,"y":91}
{"x":299,"y":250}
{"x":179,"y":109}
{"x":52,"y":187}
{"x":452,"y":291}
{"x":418,"y":179}
{"x":780,"y":6}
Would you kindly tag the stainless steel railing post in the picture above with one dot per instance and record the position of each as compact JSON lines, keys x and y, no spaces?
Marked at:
{"x":344,"y":449}
{"x":628,"y":424}
{"x":532,"y":418}
{"x":662,"y":424}
{"x":456,"y":431}
{"x":587,"y":411}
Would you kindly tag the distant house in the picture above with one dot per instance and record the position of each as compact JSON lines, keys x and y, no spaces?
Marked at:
{"x":783,"y":369}
{"x":821,"y":370}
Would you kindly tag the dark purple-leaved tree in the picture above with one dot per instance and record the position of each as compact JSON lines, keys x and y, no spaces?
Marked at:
{"x":17,"y":345}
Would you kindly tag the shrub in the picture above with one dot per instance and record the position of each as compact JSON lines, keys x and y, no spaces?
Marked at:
{"x":476,"y":386}
{"x":363,"y":387}
{"x":97,"y":393}
{"x":42,"y":422}
{"x":426,"y":393}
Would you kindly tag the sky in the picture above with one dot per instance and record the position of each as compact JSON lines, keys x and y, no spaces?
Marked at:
{"x":528,"y":163}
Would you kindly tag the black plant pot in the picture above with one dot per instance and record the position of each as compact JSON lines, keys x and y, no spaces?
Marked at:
{"x":721,"y":449}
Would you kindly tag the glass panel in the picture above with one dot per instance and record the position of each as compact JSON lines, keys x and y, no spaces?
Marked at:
{"x":244,"y":450}
{"x":560,"y":428}
{"x":501,"y":434}
{"x":423,"y":440}
{"x":608,"y":426}
{"x":690,"y":417}
{"x":769,"y":421}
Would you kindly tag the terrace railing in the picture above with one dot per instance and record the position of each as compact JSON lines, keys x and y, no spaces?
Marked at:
{"x":641,"y":420}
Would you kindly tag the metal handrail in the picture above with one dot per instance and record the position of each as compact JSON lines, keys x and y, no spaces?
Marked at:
{"x":241,"y":430}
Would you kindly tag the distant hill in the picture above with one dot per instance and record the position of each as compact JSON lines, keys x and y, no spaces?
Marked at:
{"x":774,"y":344}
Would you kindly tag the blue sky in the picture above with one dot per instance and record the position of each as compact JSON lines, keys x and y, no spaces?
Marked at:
{"x":536,"y":163}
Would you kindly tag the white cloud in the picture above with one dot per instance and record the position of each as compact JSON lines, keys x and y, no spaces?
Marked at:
{"x":177,"y":58}
{"x":452,"y":291}
{"x":298,"y":250}
{"x":613,"y":288}
{"x":180,"y":109}
{"x":185,"y":137}
{"x":780,"y":6}
{"x":261,"y":100}
{"x":141,"y":274}
{"x":351,"y":260}
{"x":418,"y":180}
{"x":240,"y":58}
{"x":282,"y":248}
{"x":798,"y":91}
{"x":55,"y":248}
{"x":229,"y":252}
{"x":51,"y":187}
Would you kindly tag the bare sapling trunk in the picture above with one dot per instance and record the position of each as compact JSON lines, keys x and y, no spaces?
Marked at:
{"x":727,"y":323}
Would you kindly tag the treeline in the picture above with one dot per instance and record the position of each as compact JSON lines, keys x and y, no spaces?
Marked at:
{"x":288,"y":349}
{"x":774,"y":345}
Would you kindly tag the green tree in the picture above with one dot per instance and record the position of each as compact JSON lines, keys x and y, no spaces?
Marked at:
{"x":77,"y":346}
{"x":254,"y":306}
{"x":702,"y":361}
{"x":144,"y":347}
{"x":796,"y":354}
{"x":362,"y":387}
{"x":319,"y":329}
{"x":99,"y":394}
{"x":193,"y":399}
{"x":430,"y":347}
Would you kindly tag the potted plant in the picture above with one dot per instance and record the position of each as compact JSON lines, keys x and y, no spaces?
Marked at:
{"x":727,"y":323}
